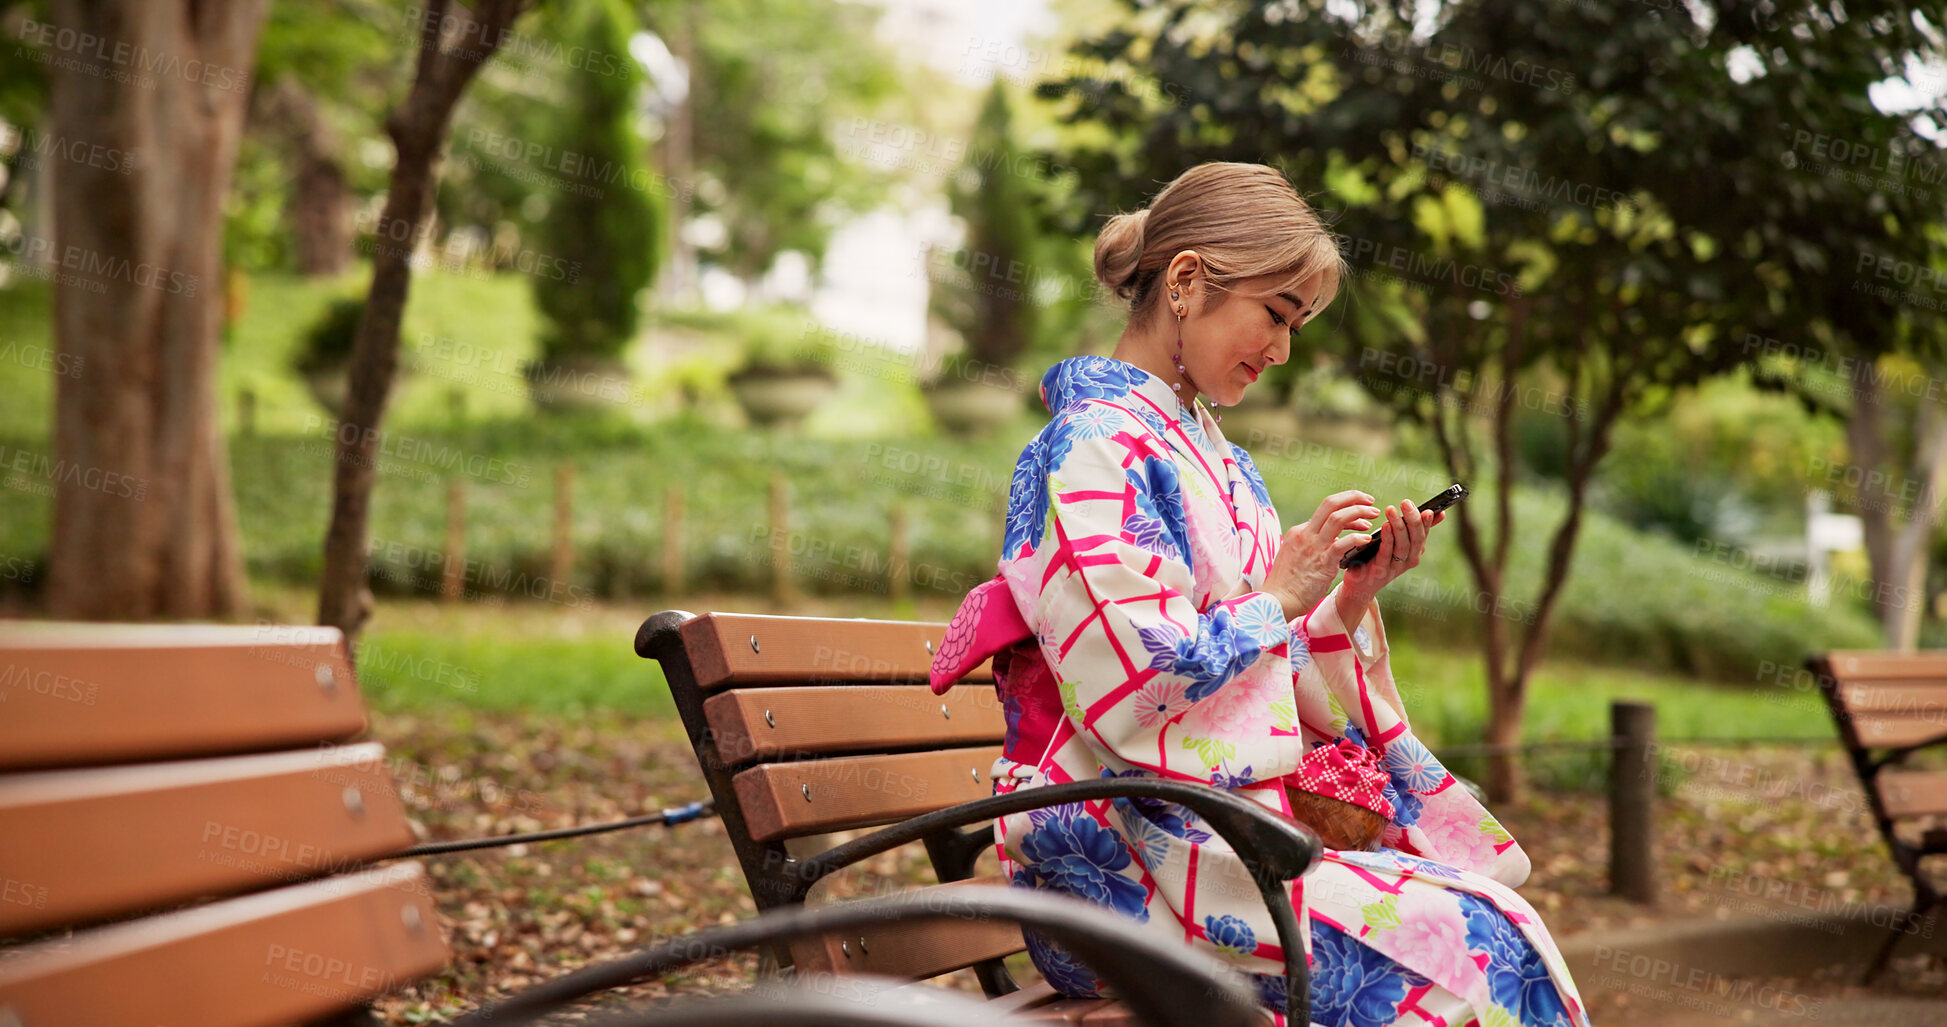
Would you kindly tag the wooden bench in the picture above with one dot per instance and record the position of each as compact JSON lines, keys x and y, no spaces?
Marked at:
{"x":186,"y":828}
{"x":805,"y":727}
{"x":191,"y":833}
{"x":1888,"y":706}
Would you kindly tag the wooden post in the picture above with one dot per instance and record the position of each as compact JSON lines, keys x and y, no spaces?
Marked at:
{"x":452,"y":586}
{"x":1632,"y":799}
{"x":562,"y":566}
{"x":247,"y":412}
{"x":673,"y":541}
{"x":780,"y":542}
{"x":898,"y":584}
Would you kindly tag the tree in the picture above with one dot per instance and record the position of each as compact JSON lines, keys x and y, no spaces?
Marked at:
{"x":144,"y":522}
{"x":783,"y":89}
{"x":323,"y":69}
{"x":1541,"y":203}
{"x":612,"y":230}
{"x":990,"y":300}
{"x":453,"y":42}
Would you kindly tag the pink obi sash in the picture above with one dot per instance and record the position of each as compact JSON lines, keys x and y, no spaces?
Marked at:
{"x":988,"y":625}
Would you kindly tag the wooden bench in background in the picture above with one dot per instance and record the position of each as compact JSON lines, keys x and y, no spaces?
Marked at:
{"x":1888,"y":706}
{"x":806,"y":726}
{"x":185,"y":830}
{"x":190,"y":834}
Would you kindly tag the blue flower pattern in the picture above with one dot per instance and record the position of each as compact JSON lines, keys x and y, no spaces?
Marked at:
{"x":1161,"y":813}
{"x":1412,"y":767}
{"x":1217,"y":654}
{"x":1352,"y":985}
{"x":1230,"y":934}
{"x":1252,"y":475}
{"x":1070,"y":852}
{"x":1516,"y":979}
{"x":1060,"y":967}
{"x":1263,"y":618}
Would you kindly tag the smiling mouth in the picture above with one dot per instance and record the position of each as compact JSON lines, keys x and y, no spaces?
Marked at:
{"x":1248,"y":369}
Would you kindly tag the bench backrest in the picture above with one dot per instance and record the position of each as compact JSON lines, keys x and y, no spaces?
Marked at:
{"x":152,"y":768}
{"x":1890,"y":701}
{"x":806,"y":726}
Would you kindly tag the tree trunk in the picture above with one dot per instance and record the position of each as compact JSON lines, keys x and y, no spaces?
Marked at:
{"x":418,"y":130}
{"x":1907,"y":594}
{"x":144,"y":522}
{"x":1896,"y":553}
{"x":1866,"y":445}
{"x":320,"y":203}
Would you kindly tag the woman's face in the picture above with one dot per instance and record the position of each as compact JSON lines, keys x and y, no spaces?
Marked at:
{"x":1229,"y":339}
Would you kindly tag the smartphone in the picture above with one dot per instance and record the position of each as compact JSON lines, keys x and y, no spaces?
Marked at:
{"x":1452,"y":494}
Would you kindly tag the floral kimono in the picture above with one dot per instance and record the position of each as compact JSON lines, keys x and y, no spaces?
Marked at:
{"x":1135,"y":544}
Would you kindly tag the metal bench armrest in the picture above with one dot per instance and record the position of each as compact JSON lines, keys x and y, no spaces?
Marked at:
{"x":1275,"y":848}
{"x":804,"y":1007}
{"x":1162,"y":982}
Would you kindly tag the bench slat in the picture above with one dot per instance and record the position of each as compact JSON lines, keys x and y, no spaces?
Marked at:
{"x":1067,"y":1010}
{"x":1875,"y":732}
{"x":786,"y":800}
{"x":1868,"y":664}
{"x":1906,"y":697}
{"x":1913,"y":793}
{"x":97,"y":693}
{"x":84,"y":844}
{"x":800,"y":721}
{"x":800,"y":650}
{"x":286,"y":956}
{"x":916,"y":950}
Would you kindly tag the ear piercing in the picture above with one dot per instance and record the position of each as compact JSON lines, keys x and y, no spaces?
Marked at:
{"x":1181,"y":371}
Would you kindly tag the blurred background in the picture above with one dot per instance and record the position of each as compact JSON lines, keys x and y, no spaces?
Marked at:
{"x":484,"y":330}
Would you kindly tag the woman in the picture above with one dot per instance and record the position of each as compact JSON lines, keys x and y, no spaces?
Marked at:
{"x":1151,"y":619}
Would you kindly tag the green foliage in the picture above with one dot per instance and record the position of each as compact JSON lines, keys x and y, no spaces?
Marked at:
{"x":327,"y":344}
{"x":1536,"y":192}
{"x":990,"y":297}
{"x":340,"y":63}
{"x":519,"y":666}
{"x":778,"y":89}
{"x":612,"y":233}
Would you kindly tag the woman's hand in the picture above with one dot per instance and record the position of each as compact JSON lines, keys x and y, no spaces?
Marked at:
{"x":1401,"y":541}
{"x":1308,"y":555}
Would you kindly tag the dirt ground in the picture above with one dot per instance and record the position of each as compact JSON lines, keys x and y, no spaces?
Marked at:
{"x":1766,"y":832}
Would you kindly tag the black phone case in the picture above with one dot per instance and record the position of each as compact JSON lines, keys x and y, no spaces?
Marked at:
{"x":1447,"y":497}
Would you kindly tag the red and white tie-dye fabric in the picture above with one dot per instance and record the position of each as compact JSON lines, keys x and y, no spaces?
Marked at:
{"x":1136,"y":542}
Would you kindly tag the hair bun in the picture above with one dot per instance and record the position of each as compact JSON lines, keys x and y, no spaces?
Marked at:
{"x":1118,"y":249}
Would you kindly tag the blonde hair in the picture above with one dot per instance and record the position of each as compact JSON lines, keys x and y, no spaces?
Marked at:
{"x":1243,"y":220}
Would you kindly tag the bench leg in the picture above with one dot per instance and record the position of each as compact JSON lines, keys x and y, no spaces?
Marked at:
{"x":1884,"y":956}
{"x":1908,"y":924}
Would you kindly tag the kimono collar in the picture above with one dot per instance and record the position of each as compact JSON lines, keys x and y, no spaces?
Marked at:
{"x":1091,"y":377}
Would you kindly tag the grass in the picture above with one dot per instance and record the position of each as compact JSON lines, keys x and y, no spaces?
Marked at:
{"x":1633,"y":598}
{"x":420,"y":656}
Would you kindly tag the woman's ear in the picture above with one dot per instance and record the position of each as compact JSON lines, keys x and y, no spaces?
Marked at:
{"x":1183,"y":270}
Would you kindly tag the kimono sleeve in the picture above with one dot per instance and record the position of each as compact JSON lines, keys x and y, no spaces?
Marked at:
{"x":1345,"y":688}
{"x":1162,"y":685}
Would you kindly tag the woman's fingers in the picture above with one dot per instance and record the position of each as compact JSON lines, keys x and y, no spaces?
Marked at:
{"x":1345,"y":544}
{"x":1338,"y":501}
{"x":1388,"y":537}
{"x":1358,"y":517}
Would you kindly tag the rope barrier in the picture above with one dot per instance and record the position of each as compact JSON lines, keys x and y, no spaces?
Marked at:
{"x":668,"y":818}
{"x":1601,"y":744}
{"x":696,"y":810}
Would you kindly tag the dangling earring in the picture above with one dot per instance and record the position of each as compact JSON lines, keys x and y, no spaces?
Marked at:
{"x":1181,"y":371}
{"x":1178,"y":310}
